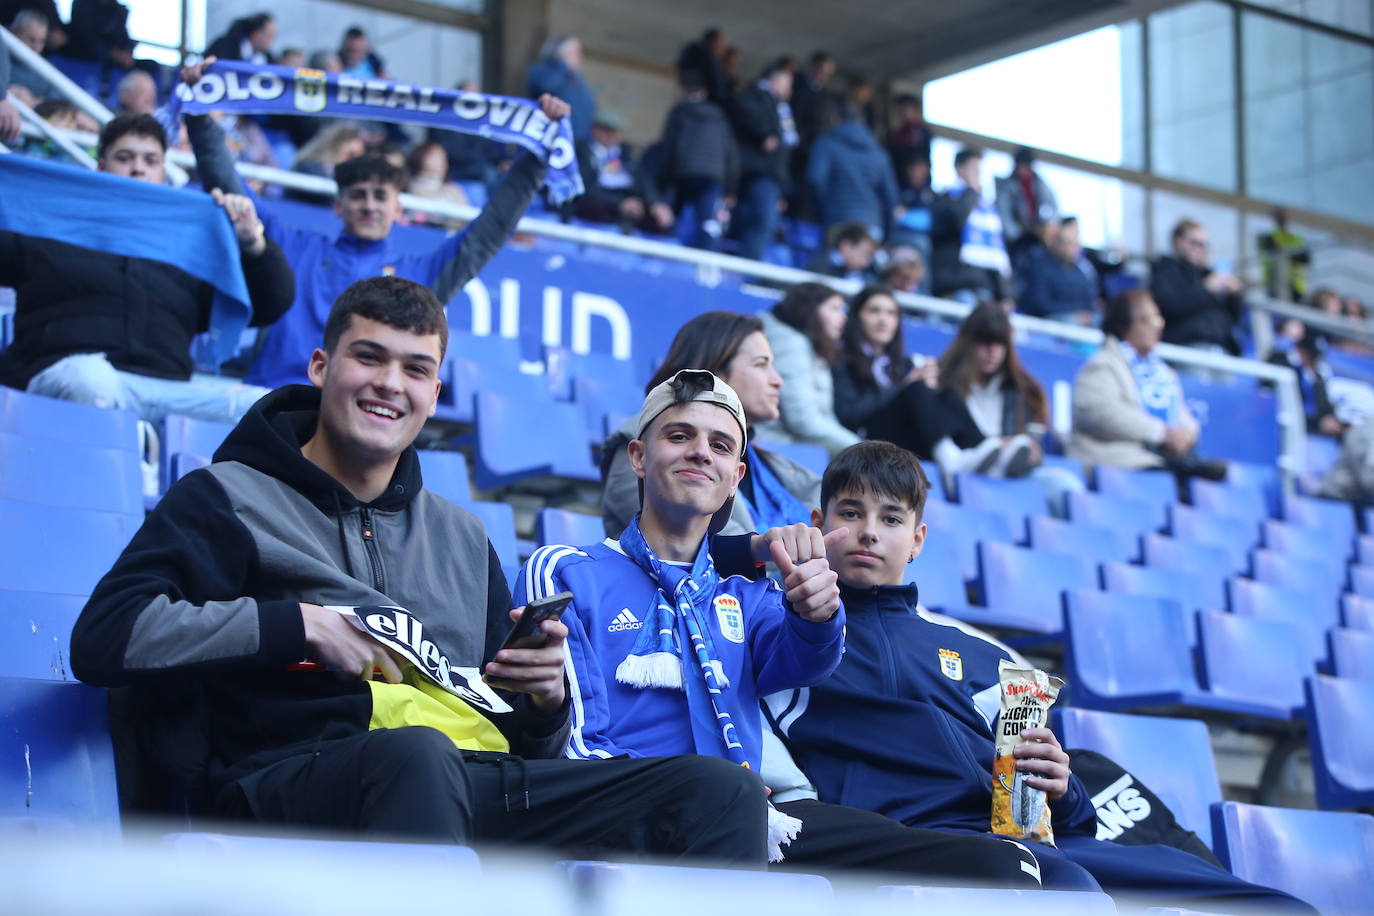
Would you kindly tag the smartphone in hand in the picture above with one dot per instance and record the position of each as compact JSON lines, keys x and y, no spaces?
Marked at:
{"x":526,"y":633}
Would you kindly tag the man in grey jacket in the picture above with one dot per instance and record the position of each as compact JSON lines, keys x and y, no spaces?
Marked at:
{"x":306,"y":628}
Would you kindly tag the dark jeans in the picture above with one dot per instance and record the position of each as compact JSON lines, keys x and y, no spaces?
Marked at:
{"x":705,"y":196}
{"x":916,"y":418}
{"x":755,"y":218}
{"x":413,"y":783}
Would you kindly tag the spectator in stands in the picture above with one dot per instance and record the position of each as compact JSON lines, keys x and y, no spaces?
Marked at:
{"x":214,"y":602}
{"x":905,"y":724}
{"x":776,"y":491}
{"x":647,"y":600}
{"x":30,"y":27}
{"x":328,"y":61}
{"x":1302,"y":349}
{"x":291,"y":57}
{"x":811,"y":98}
{"x":63,"y":114}
{"x":850,"y":175}
{"x":1026,"y":204}
{"x":98,"y":31}
{"x":367,"y":205}
{"x":729,"y":64}
{"x":558,"y":72}
{"x":804,"y":331}
{"x":614,"y":179}
{"x":914,"y":202}
{"x":1128,"y":405}
{"x":116,"y":331}
{"x":767,"y":135}
{"x":137,"y":93}
{"x":1283,"y":252}
{"x":249,"y":39}
{"x":1200,"y":305}
{"x":427,"y":165}
{"x":1056,"y":284}
{"x":969,"y":259}
{"x":1351,"y":478}
{"x":699,"y":165}
{"x":851,"y":256}
{"x":704,"y":60}
{"x":909,"y":141}
{"x":55,"y":30}
{"x":470,"y":157}
{"x":327,"y":149}
{"x":905,"y":271}
{"x":358,"y":59}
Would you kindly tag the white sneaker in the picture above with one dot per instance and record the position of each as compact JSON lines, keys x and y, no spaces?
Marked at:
{"x":1014,"y":458}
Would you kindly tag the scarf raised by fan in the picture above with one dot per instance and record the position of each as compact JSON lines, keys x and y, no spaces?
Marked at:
{"x":135,"y":219}
{"x":676,"y":618}
{"x":262,"y":89}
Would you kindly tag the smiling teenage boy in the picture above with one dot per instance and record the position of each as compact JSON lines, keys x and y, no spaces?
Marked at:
{"x":666,"y":655}
{"x":233,"y":615}
{"x":904,"y":725}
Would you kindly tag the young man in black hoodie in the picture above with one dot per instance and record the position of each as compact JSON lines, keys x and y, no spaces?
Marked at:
{"x":251,"y":609}
{"x":699,"y":163}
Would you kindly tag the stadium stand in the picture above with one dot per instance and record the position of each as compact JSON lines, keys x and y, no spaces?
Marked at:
{"x":1341,"y":745}
{"x":1023,"y":588}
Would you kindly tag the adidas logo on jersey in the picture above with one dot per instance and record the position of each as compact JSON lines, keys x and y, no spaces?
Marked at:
{"x":624,"y":621}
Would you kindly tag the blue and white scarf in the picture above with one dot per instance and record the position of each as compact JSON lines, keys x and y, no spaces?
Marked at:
{"x":246,"y":88}
{"x":1159,"y":394}
{"x":983,"y":244}
{"x":677,"y":617}
{"x":773,"y":505}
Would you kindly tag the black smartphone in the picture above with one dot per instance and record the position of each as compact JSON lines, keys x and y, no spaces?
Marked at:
{"x":526,"y":633}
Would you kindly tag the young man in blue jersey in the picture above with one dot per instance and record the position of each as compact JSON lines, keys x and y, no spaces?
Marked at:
{"x":904,"y":725}
{"x":668,"y":656}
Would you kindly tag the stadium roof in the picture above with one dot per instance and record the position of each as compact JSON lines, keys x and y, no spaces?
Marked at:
{"x":881,"y":39}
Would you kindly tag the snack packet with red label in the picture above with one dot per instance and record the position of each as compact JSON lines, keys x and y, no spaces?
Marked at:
{"x":1018,"y":809}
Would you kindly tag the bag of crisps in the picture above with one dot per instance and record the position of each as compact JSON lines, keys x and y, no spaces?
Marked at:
{"x":1018,"y":809}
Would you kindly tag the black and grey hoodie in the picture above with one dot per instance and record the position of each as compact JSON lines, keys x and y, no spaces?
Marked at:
{"x":203,"y":605}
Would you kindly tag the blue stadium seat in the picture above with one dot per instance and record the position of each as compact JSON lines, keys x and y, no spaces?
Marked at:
{"x":967,"y":527}
{"x":1308,"y":610}
{"x":1248,"y":503}
{"x":517,"y":439}
{"x":59,"y":550}
{"x":600,"y":399}
{"x":936,"y":573}
{"x":1023,"y":588}
{"x":35,"y":631}
{"x":1158,"y":488}
{"x":1171,"y":756}
{"x":54,"y":473}
{"x":183,"y":464}
{"x":1341,"y":740}
{"x":1094,"y":542}
{"x":1364,"y":549}
{"x":446,"y":474}
{"x":1211,"y":562}
{"x":1362,"y":581}
{"x":1263,"y":477}
{"x":36,"y":417}
{"x":926,"y":898}
{"x":1193,"y":591}
{"x":1335,"y":520}
{"x":187,"y":434}
{"x":56,"y":760}
{"x":1132,"y":517}
{"x":499,"y":520}
{"x":365,"y":856}
{"x":1249,"y":662}
{"x":1234,"y":535}
{"x":1323,"y":857}
{"x":468,"y":376}
{"x":1106,"y":668}
{"x":487,"y":349}
{"x":1072,"y":465}
{"x":563,"y":366}
{"x":1352,"y":653}
{"x":1299,"y":541}
{"x":1357,"y":612}
{"x":576,"y":529}
{"x":811,"y":457}
{"x":1017,"y":500}
{"x":936,"y":478}
{"x":1321,"y":575}
{"x":606,"y":879}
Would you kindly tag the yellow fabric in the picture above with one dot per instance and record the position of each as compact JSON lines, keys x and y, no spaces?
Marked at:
{"x":419,"y":701}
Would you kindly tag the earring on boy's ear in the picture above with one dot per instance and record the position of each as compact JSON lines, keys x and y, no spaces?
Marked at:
{"x":912,"y":558}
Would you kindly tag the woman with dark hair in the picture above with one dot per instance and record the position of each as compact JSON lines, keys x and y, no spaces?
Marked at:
{"x":879,"y":392}
{"x":775,"y":490}
{"x":804,"y":331}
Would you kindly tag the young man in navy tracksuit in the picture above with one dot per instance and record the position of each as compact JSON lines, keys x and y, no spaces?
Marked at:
{"x":904,"y":725}
{"x":666,"y":656}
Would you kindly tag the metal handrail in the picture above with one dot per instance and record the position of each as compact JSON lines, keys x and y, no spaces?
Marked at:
{"x":48,"y":132}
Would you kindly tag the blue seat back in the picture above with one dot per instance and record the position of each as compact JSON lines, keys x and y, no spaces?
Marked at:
{"x":1323,"y":857}
{"x":936,"y":479}
{"x":1352,"y":653}
{"x":1334,"y":520}
{"x":936,"y":573}
{"x":33,"y":416}
{"x":1312,"y":612}
{"x":1323,"y":575}
{"x":1016,"y":500}
{"x":510,"y":447}
{"x":1342,"y":742}
{"x":1158,"y":488}
{"x":499,"y":520}
{"x":1173,"y":757}
{"x":35,"y":631}
{"x":364,"y":856}
{"x":811,"y":457}
{"x":183,"y":464}
{"x":1262,"y":477}
{"x":1251,"y":660}
{"x":60,"y":550}
{"x":56,"y":760}
{"x":600,"y":399}
{"x":1362,"y":581}
{"x":1030,"y":584}
{"x":575,"y":529}
{"x":1364,"y":549}
{"x":1357,"y":612}
{"x":446,"y":474}
{"x":1094,"y":542}
{"x":188,"y":434}
{"x":1131,"y":517}
{"x":1194,"y":591}
{"x":1102,"y":640}
{"x":968,"y":527}
{"x":1300,"y":541}
{"x":1248,"y":503}
{"x":1234,"y":535}
{"x":54,"y":473}
{"x":468,"y":376}
{"x":1206,"y":560}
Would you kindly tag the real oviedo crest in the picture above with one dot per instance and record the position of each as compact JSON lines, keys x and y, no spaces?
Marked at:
{"x":951,"y":665}
{"x":730,"y":617}
{"x":310,"y":90}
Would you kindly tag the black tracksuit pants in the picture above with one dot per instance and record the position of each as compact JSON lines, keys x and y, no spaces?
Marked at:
{"x":414,"y":784}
